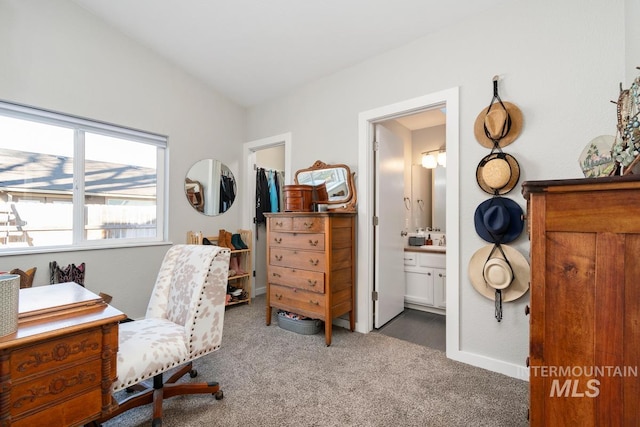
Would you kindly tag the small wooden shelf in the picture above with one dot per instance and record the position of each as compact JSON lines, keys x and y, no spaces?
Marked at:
{"x":243,"y":257}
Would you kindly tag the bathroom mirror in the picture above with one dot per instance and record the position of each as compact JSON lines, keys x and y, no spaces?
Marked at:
{"x":439,"y":199}
{"x":210,"y":187}
{"x":428,"y":198}
{"x":337,"y":179}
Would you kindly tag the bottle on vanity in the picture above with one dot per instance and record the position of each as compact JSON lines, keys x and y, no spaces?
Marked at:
{"x":429,"y":241}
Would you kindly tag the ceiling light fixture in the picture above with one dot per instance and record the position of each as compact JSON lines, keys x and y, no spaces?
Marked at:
{"x":431,"y":159}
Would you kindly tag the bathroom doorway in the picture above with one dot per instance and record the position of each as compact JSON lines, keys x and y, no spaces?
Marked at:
{"x":377,"y":256}
{"x":421,"y":216}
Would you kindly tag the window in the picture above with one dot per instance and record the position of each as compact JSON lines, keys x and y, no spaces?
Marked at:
{"x":69,"y":181}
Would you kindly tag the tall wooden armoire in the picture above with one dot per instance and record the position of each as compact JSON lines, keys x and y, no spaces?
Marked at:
{"x":585,"y":301}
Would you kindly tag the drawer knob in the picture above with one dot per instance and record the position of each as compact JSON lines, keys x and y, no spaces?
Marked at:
{"x":276,"y":275}
{"x":308,"y":224}
{"x":312,"y":243}
{"x":278,"y":296}
{"x":312,"y":283}
{"x":428,"y":274}
{"x":314,"y":262}
{"x":278,"y":257}
{"x":314,"y":302}
{"x":527,"y":310}
{"x":277,"y":240}
{"x":279,"y":224}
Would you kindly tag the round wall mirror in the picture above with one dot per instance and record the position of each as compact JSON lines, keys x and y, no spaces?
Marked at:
{"x":210,"y":187}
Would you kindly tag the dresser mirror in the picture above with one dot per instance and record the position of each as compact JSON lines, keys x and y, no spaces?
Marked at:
{"x":338,"y":181}
{"x":210,"y":187}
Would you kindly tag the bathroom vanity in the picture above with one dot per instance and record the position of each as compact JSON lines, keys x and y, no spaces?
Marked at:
{"x":425,"y":278}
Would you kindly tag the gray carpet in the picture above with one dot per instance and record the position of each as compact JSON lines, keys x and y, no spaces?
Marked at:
{"x":275,"y":377}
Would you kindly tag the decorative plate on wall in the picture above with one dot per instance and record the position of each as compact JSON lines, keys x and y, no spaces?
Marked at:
{"x":596,"y":159}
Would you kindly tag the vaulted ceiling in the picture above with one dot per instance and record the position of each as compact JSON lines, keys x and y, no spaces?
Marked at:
{"x":254,"y":50}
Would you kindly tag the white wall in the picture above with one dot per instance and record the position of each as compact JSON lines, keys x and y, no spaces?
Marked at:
{"x":632,"y":12}
{"x":271,"y":158}
{"x":54,"y":55}
{"x":560,"y":62}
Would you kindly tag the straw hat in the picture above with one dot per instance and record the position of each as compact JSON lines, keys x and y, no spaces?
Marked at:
{"x":489,"y":271}
{"x":498,"y":173}
{"x":499,"y":220}
{"x":494,"y":121}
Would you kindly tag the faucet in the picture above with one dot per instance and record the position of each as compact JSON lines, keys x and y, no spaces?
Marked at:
{"x":443,"y":241}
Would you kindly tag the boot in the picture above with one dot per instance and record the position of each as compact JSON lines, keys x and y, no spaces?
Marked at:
{"x":235,"y":265}
{"x":222,"y":238}
{"x":236,"y":240}
{"x":227,"y":241}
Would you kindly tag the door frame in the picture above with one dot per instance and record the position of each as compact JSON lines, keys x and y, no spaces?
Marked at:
{"x":249,"y":150}
{"x":365,"y":188}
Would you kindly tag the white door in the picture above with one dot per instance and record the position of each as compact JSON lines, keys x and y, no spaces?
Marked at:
{"x":389,"y":243}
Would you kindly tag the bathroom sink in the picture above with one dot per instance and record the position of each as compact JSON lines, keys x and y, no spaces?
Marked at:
{"x":434,"y":248}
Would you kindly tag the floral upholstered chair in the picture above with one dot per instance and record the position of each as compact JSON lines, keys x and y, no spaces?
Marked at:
{"x":183,"y":322}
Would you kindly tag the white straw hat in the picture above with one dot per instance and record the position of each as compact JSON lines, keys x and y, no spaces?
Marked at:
{"x":489,"y":271}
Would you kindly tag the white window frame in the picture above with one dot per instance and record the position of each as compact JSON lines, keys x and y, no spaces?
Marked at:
{"x":81,"y":125}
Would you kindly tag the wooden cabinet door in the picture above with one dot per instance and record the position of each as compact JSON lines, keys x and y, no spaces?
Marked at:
{"x":585,"y":319}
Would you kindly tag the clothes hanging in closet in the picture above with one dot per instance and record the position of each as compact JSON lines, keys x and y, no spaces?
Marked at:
{"x":269,"y":194}
{"x":279,"y":186}
{"x":263,"y":202}
{"x":273,"y":191}
{"x":227,"y":192}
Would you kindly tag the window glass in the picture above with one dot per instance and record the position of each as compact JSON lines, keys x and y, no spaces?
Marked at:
{"x":120,"y":191}
{"x":36,"y":183}
{"x":72,"y":181}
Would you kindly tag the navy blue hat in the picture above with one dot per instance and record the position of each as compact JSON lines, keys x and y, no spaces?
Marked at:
{"x":499,"y":220}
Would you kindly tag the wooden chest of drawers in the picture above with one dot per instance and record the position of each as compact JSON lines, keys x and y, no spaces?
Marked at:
{"x":57,"y":369}
{"x":585,"y":301}
{"x":310,"y":265}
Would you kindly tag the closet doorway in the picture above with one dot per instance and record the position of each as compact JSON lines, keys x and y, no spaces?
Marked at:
{"x":272,"y":153}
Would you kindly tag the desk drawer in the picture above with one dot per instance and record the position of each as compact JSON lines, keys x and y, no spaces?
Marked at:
{"x":53,"y":354}
{"x":311,"y":281}
{"x":305,"y":260}
{"x":56,"y":387}
{"x":307,"y":303}
{"x":73,"y":412}
{"x":313,"y":242}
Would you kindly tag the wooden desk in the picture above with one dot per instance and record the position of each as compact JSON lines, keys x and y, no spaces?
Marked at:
{"x":58,"y":368}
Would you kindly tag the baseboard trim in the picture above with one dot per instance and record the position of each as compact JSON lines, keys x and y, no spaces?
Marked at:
{"x":490,"y":364}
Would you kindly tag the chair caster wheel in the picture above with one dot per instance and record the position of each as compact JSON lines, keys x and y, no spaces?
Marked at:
{"x":193,"y":373}
{"x":219,"y":395}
